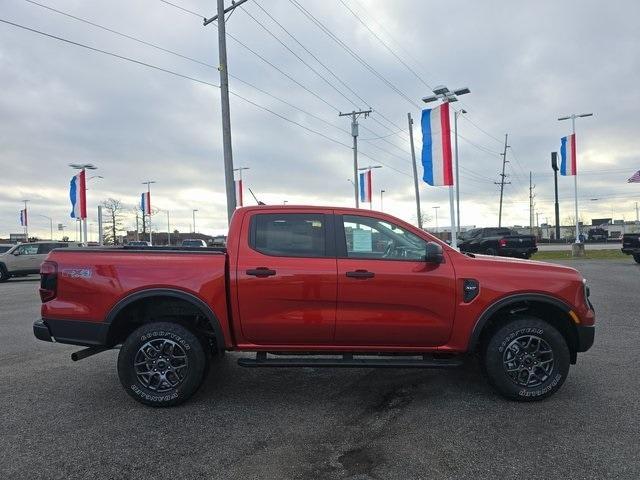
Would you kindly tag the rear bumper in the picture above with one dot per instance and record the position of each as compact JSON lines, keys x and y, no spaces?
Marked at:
{"x":586,"y":336}
{"x":73,"y":332}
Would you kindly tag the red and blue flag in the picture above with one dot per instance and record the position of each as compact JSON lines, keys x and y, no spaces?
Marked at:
{"x":568,"y":164}
{"x":436,"y":146}
{"x":365,"y":186}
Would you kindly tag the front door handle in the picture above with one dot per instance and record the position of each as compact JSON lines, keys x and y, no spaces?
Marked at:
{"x":261,"y":272}
{"x":362,"y":274}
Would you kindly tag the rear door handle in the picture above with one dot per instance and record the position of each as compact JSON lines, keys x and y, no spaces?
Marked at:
{"x":261,"y":272}
{"x":360,"y":274}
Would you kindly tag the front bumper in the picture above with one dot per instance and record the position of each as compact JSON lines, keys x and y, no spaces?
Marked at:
{"x":73,"y":332}
{"x":586,"y":336}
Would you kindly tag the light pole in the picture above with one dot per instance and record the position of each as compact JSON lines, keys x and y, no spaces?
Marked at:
{"x":455,"y":124}
{"x":26,"y":221}
{"x":381,"y":199}
{"x":148,"y":184}
{"x":573,"y":117}
{"x":83,"y":221}
{"x":436,"y":210}
{"x":193,"y":212}
{"x":445,"y":95}
{"x":168,"y":230}
{"x":368,"y":169}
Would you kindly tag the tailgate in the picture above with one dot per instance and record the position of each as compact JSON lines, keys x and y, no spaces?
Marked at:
{"x":631,"y":240}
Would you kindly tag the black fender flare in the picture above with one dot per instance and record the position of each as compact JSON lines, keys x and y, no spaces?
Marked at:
{"x":506,"y":301}
{"x":169,"y":292}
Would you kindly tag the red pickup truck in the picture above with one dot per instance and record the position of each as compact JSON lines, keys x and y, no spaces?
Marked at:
{"x":315,"y":287}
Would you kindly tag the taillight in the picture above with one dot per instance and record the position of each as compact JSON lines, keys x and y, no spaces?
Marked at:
{"x":48,"y":281}
{"x":503,"y":242}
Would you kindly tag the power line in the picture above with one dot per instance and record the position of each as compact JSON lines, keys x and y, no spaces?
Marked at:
{"x":350,"y":51}
{"x":171,"y":72}
{"x":184,"y":9}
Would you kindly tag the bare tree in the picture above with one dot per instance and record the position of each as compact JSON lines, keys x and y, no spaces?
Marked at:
{"x":113,"y":210}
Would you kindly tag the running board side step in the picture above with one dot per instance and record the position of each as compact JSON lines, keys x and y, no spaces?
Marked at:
{"x":347,"y":361}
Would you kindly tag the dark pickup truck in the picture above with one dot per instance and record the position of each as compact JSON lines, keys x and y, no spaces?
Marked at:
{"x":631,"y":245}
{"x":503,"y":242}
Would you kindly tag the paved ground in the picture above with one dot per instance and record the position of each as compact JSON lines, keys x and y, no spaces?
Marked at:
{"x":64,"y":420}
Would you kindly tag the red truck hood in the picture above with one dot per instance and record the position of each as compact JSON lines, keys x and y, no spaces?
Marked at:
{"x":521,"y":264}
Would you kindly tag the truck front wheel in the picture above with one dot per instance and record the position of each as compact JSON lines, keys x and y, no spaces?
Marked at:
{"x":162,"y":364}
{"x":527,"y":359}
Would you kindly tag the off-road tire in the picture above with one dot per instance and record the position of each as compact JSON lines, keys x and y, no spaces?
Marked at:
{"x":162,"y":364}
{"x":516,"y":359}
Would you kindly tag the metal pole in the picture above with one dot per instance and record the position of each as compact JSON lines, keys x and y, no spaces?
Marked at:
{"x":455,"y":123}
{"x":100,"y":227}
{"x":194,"y":220}
{"x":26,"y":221}
{"x":381,"y":200}
{"x":51,"y":228}
{"x":575,"y":183}
{"x":436,"y":210}
{"x":226,"y":113}
{"x":168,"y":230}
{"x":554,"y":165}
{"x":415,"y":171}
{"x":454,"y":237}
{"x":150,"y":231}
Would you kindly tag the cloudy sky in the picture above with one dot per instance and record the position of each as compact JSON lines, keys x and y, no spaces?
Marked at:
{"x":526,"y":63}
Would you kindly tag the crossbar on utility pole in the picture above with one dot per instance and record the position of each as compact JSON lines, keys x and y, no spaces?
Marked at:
{"x":502,"y":182}
{"x":354,"y":133}
{"x":415,"y":171}
{"x":224,"y":100}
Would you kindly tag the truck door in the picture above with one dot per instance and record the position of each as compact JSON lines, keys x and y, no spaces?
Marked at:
{"x":387,"y":294}
{"x":286,"y":278}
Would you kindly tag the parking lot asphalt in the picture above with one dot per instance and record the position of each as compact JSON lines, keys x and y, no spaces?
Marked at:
{"x":66,"y":420}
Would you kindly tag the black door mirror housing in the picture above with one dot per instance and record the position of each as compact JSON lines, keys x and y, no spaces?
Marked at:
{"x":434,"y":253}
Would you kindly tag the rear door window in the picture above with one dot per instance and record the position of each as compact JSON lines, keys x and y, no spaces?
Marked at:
{"x":289,"y":234}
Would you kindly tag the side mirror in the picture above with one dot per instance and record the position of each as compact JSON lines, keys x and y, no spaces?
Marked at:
{"x":16,"y":252}
{"x":434,"y":253}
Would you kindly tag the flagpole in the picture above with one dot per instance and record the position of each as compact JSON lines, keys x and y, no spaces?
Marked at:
{"x":26,"y":222}
{"x":454,"y":236}
{"x":575,"y":177}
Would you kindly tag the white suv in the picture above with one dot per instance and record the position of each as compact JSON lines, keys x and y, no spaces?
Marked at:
{"x":25,"y":258}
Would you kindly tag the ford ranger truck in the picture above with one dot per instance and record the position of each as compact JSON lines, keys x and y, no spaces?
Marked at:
{"x":315,"y":287}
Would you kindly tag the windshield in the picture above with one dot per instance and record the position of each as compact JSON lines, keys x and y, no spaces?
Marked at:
{"x":5,"y":248}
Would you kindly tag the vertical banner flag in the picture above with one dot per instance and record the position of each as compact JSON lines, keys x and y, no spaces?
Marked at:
{"x":78,"y":196}
{"x":365,"y":186}
{"x":23,"y":218}
{"x":436,"y":146}
{"x":568,"y":164}
{"x":145,"y":203}
{"x":238,"y":193}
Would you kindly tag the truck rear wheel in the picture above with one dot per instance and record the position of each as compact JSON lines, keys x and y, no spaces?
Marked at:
{"x":527,"y":359}
{"x":162,"y":364}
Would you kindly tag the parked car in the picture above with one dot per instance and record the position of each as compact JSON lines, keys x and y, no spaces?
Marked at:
{"x":5,"y":247}
{"x":597,"y":235}
{"x":503,"y":242}
{"x":25,"y":258}
{"x":297,"y":284}
{"x":631,"y":245}
{"x":194,"y":242}
{"x":139,"y":243}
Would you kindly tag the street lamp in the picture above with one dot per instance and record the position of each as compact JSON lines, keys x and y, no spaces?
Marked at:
{"x":381,"y":199}
{"x":148,"y":184}
{"x":445,"y":95}
{"x":193,"y":212}
{"x":82,"y":167}
{"x":573,"y":117}
{"x":50,"y":223}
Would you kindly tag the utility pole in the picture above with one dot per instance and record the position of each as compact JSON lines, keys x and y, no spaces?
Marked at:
{"x":415,"y":171}
{"x":26,"y":222}
{"x":502,"y":182}
{"x":224,"y":100}
{"x":554,"y":166}
{"x":354,"y":133}
{"x":531,"y":204}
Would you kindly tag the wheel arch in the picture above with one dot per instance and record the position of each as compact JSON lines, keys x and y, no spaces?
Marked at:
{"x":546,"y":307}
{"x":116,"y":319}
